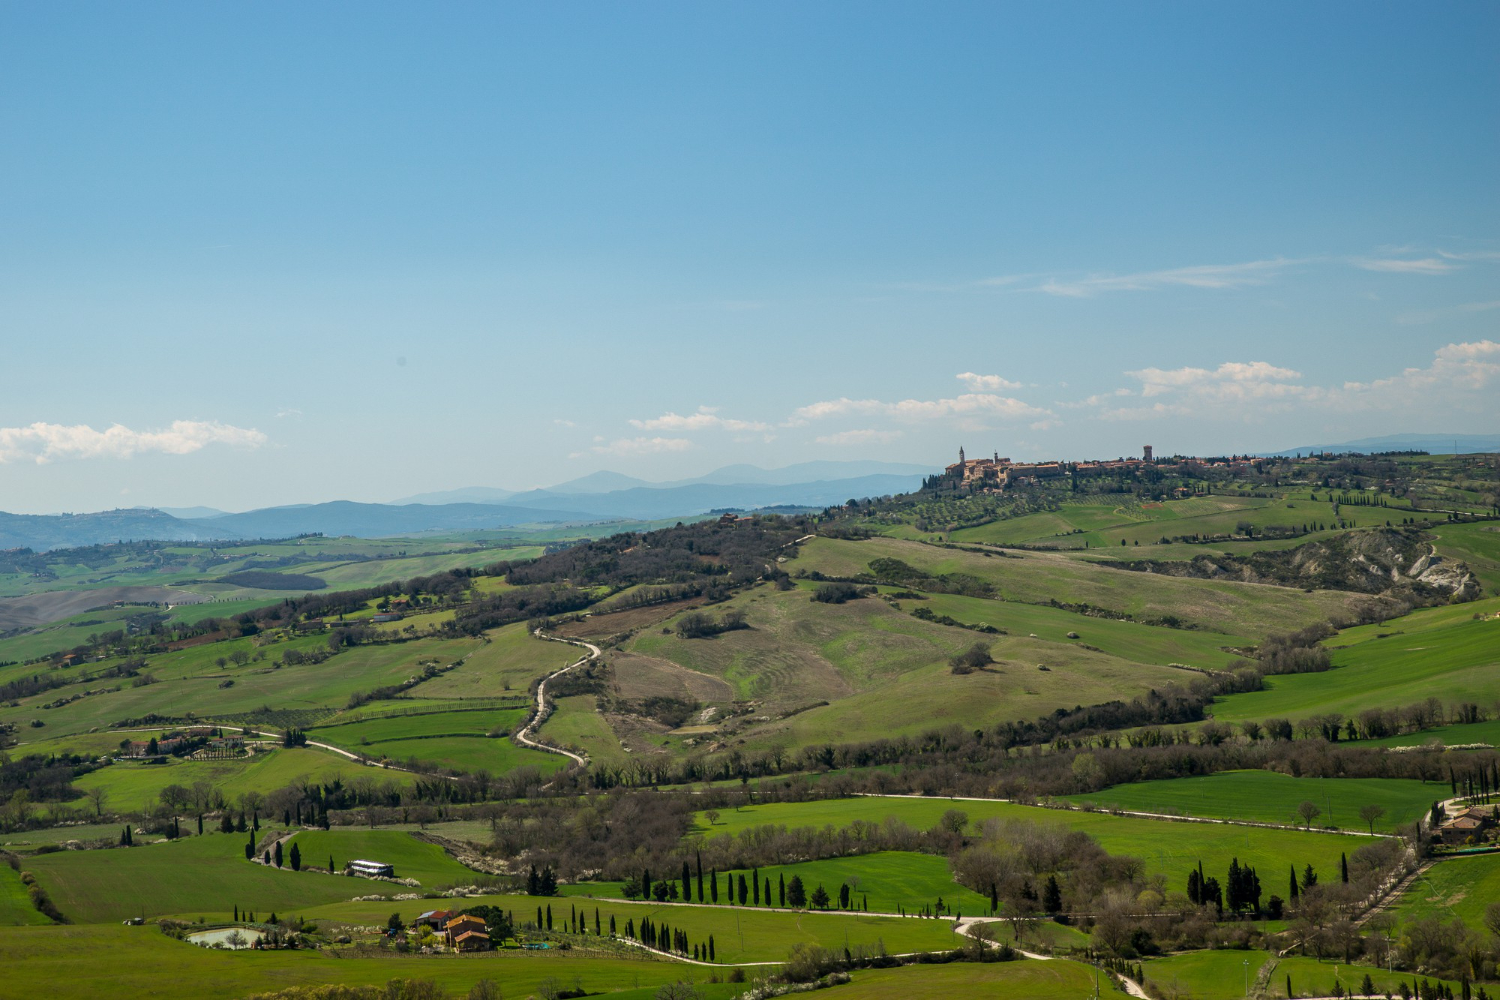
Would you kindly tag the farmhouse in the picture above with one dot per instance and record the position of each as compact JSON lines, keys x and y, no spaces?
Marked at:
{"x":436,"y":919}
{"x":1469,"y":826}
{"x":370,"y":869}
{"x":468,"y":933}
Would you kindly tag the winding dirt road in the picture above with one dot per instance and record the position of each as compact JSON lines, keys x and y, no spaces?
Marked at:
{"x":526,"y":735}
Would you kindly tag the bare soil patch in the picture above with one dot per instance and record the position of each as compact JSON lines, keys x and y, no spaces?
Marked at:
{"x":39,"y":609}
{"x":638,"y":677}
{"x":616,"y":622}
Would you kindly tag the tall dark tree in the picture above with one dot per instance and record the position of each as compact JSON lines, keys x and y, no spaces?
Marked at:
{"x":713,"y":885}
{"x":1051,"y":896}
{"x":755,"y":885}
{"x":781,"y":890}
{"x":700,"y":877}
{"x":296,"y":858}
{"x":687,"y":883}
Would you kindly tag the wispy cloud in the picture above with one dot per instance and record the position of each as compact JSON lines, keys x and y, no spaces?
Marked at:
{"x":864,"y":436}
{"x":706,"y":418}
{"x":968,"y":404}
{"x":42,"y":442}
{"x":1155,"y":381}
{"x":1213,"y":276}
{"x":629,"y":447}
{"x":1400,"y":265}
{"x":1420,"y":316}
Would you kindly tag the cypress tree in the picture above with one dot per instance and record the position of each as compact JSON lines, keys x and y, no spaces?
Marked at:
{"x":781,"y":890}
{"x":754,"y":885}
{"x":768,"y":890}
{"x":597,"y":931}
{"x":687,"y":883}
{"x":549,"y":916}
{"x":296,"y":858}
{"x":700,"y":876}
{"x":742,"y":890}
{"x":538,"y":918}
{"x":1344,"y":867}
{"x":330,"y":864}
{"x":1294,"y":890}
{"x":711,"y":957}
{"x":713,"y":885}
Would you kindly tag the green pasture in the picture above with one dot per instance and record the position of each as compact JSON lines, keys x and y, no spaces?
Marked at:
{"x":104,"y":961}
{"x":1453,"y":662}
{"x":15,"y":904}
{"x":1271,"y":797}
{"x":1166,"y":847}
{"x":740,"y":934}
{"x":134,"y":787}
{"x":412,"y":858}
{"x":1454,"y":887}
{"x":207,"y":873}
{"x":1036,"y":578}
{"x":505,"y":665}
{"x":25,"y":841}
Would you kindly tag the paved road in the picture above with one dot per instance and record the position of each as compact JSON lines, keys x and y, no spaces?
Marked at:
{"x":527,"y":733}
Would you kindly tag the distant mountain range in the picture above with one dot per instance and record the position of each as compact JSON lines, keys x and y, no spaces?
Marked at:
{"x":602,"y":496}
{"x":1436,"y":444}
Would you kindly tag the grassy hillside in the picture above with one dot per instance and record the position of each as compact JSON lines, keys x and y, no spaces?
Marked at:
{"x":506,"y":665}
{"x":15,"y":905}
{"x":1458,"y":887}
{"x":1451,"y":660}
{"x":427,"y":863}
{"x":1036,"y":578}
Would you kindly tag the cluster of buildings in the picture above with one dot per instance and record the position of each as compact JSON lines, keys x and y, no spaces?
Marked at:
{"x":202,"y":737}
{"x":1000,"y":473}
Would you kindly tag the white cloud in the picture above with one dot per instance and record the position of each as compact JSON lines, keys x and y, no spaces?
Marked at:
{"x":1459,"y":379}
{"x":626,"y":447}
{"x":706,"y":418}
{"x":559,"y":421}
{"x":1250,"y":377}
{"x":1394,"y":265}
{"x":982,"y":382}
{"x":968,"y":404}
{"x":289,"y":412}
{"x":1253,"y":272}
{"x":42,"y":442}
{"x":844,"y":438}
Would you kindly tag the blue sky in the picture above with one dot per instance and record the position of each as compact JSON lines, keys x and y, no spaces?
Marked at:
{"x":272,"y":253}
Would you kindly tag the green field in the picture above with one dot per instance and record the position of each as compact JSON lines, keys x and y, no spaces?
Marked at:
{"x":15,"y":904}
{"x":1270,"y":797}
{"x":740,"y":935}
{"x":427,"y":863}
{"x":1452,"y":660}
{"x":131,"y":786}
{"x":1461,"y":734}
{"x":1166,"y":848}
{"x":102,"y":961}
{"x":1457,"y":887}
{"x":455,"y":739}
{"x":206,"y":873}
